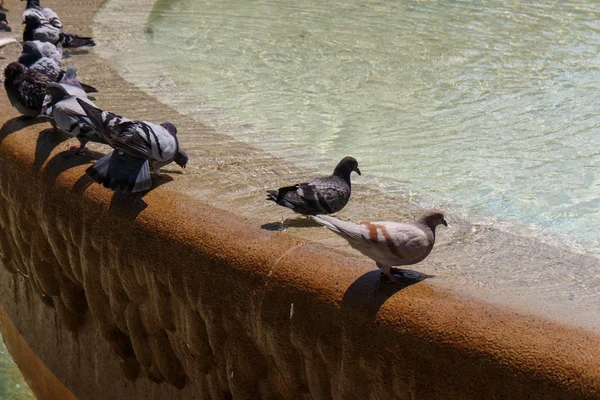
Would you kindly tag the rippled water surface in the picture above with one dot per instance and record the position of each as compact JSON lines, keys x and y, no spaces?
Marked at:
{"x":487,"y":104}
{"x":483,"y":109}
{"x":12,"y":384}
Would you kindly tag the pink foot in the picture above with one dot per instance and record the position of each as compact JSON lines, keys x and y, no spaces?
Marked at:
{"x":78,"y":148}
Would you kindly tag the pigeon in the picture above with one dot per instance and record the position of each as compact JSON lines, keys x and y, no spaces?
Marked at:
{"x":33,"y":50}
{"x":50,"y":15}
{"x":137,"y":144}
{"x":389,"y":243}
{"x":4,"y":27}
{"x":39,"y":27}
{"x":46,"y":58}
{"x":25,"y":88}
{"x":61,"y":105}
{"x":326,"y":195}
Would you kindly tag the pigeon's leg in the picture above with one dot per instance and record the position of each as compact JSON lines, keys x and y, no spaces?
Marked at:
{"x":387,"y":271}
{"x":80,"y":147}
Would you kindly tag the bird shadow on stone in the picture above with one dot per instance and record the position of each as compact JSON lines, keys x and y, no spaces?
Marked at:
{"x":299,"y":222}
{"x":75,"y":52}
{"x":46,"y":143}
{"x":16,"y":124}
{"x":66,"y":160}
{"x":370,"y":291}
{"x":130,"y":205}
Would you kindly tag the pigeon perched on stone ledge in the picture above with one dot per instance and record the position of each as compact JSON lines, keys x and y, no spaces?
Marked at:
{"x":40,"y":27}
{"x":389,"y":243}
{"x":25,"y":88}
{"x":69,"y":117}
{"x":33,"y":50}
{"x":137,"y":144}
{"x":325,"y":195}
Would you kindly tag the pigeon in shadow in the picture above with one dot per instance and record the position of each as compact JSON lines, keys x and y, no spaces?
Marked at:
{"x":389,"y":243}
{"x":326,"y":195}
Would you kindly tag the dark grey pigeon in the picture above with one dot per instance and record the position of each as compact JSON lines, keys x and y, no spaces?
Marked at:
{"x":25,"y":88}
{"x":4,"y":27}
{"x":33,"y":50}
{"x":138,"y":145}
{"x":326,"y":195}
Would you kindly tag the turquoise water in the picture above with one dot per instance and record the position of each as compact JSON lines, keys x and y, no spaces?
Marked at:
{"x":487,"y":104}
{"x":12,"y":383}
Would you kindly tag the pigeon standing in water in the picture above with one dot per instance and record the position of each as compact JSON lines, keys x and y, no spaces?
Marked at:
{"x":389,"y":243}
{"x":325,"y":195}
{"x":137,"y":144}
{"x":4,"y":27}
{"x":25,"y":88}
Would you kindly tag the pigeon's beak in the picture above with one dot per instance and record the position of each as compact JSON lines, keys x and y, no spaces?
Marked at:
{"x":445,"y":223}
{"x":357,"y":170}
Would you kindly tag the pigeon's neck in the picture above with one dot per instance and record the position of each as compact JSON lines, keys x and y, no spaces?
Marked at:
{"x":427,"y":226}
{"x":343,"y":171}
{"x":33,"y":4}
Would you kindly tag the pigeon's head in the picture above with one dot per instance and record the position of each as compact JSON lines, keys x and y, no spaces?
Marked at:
{"x":170,"y":127}
{"x":32,"y":3}
{"x":70,"y":76}
{"x":30,"y":48}
{"x":433,"y":218}
{"x":181,"y":158}
{"x":14,"y":72}
{"x":32,"y":19}
{"x":346,"y":166}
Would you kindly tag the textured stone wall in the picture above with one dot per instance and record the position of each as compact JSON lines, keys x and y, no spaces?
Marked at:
{"x":164,"y":297}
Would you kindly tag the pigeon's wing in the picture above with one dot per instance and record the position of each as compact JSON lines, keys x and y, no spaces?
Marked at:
{"x":145,"y":140}
{"x":328,"y":194}
{"x":48,"y":67}
{"x":52,"y":17}
{"x":407,"y":241}
{"x":70,"y":118}
{"x":47,"y":33}
{"x":33,"y":90}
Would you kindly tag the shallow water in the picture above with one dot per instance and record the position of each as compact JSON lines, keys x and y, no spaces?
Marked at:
{"x":482,"y":110}
{"x":490,"y":105}
{"x":12,"y":383}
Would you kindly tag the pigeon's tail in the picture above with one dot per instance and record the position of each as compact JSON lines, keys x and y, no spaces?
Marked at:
{"x":121,"y":172}
{"x":345,"y":229}
{"x":71,"y":41}
{"x":88,"y":88}
{"x":94,"y":114}
{"x":272,"y":195}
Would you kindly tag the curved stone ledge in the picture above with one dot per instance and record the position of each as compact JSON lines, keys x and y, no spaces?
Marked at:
{"x":166,"y":297}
